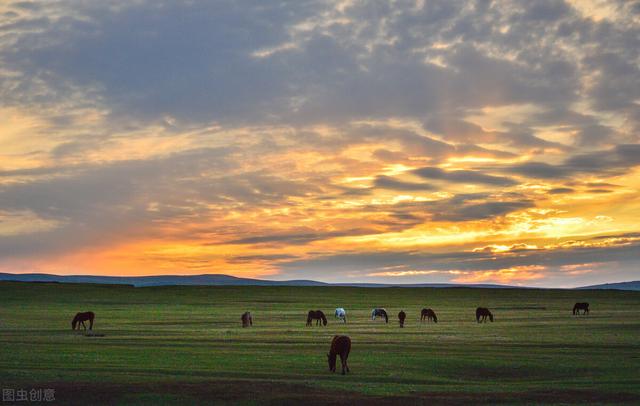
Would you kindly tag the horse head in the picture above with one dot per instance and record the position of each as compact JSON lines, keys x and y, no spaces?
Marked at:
{"x":331,"y":358}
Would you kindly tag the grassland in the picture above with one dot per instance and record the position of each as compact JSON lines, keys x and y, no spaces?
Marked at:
{"x":186,"y":344}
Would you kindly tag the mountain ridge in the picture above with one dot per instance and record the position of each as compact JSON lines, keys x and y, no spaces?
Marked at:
{"x":228,"y":280}
{"x":209,"y":280}
{"x":629,"y":285}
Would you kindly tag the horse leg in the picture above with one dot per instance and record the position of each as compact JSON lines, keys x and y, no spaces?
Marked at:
{"x":83,"y":326}
{"x":91,"y":324}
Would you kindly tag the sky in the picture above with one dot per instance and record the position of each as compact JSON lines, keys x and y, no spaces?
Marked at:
{"x":347,"y":141}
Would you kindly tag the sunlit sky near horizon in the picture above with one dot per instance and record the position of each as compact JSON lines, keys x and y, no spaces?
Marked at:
{"x":377,"y":141}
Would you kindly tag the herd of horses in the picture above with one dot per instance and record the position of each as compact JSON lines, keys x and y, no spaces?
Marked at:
{"x":428,"y":315}
{"x":340,"y":344}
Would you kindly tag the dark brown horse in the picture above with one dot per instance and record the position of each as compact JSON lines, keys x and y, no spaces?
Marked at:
{"x":81,"y":318}
{"x":584,"y":306}
{"x":401,"y":316}
{"x":482,"y":313}
{"x":340,"y":345}
{"x":246,"y":319}
{"x":428,"y":315}
{"x":318,"y":316}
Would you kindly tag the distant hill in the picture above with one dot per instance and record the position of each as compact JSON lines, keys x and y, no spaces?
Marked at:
{"x":160,"y":280}
{"x":632,"y":285}
{"x":210,"y":280}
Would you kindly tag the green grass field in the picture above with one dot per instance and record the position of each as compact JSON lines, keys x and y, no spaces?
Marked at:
{"x":186,"y":344}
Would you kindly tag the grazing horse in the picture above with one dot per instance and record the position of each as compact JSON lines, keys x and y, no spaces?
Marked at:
{"x":401,"y":316}
{"x":340,"y":345}
{"x":341,"y":314}
{"x":428,"y":315}
{"x":483,"y":313}
{"x":317,"y":316}
{"x":80,"y":318}
{"x":246,"y":319}
{"x":581,"y":306}
{"x":381,"y":313}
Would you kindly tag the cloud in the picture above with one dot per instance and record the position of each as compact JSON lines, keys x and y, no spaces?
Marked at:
{"x":479,"y":211}
{"x":386,"y":182}
{"x":298,"y":238}
{"x":463,"y":176}
{"x":561,"y":190}
{"x":483,"y":265}
{"x":610,"y":162}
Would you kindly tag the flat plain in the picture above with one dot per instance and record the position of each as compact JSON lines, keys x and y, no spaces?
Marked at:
{"x":180,"y":344}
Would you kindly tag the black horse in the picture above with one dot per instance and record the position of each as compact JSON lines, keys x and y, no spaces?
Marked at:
{"x":428,"y":315}
{"x":80,"y":318}
{"x":401,"y":317}
{"x":318,"y":316}
{"x":482,"y":313}
{"x":581,"y":306}
{"x":246,"y":319}
{"x":379,"y":312}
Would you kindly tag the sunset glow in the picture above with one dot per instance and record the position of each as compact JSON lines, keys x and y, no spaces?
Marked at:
{"x":341,"y":142}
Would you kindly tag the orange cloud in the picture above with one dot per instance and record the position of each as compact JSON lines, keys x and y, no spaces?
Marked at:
{"x":504,"y":276}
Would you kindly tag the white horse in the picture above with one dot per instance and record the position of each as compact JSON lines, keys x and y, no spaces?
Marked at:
{"x":341,"y":314}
